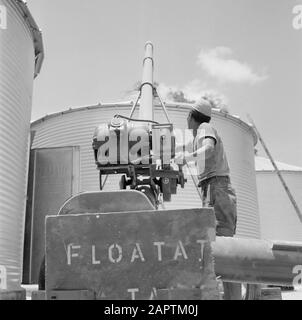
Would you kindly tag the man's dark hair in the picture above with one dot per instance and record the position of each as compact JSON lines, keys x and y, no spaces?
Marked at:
{"x":199,"y":117}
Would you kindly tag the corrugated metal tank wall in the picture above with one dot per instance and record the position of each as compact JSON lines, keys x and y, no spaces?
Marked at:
{"x":239,"y":140}
{"x":17,"y":70}
{"x":278,"y":218}
{"x":75,"y":128}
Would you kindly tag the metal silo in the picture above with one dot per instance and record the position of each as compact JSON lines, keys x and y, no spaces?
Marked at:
{"x":278,"y":218}
{"x":75,"y":128}
{"x":21,"y":55}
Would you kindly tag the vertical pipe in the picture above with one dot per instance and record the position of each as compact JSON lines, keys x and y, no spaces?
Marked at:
{"x":146,"y":103}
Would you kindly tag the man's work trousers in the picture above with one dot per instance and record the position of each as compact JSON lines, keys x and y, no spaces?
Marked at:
{"x":217,"y":192}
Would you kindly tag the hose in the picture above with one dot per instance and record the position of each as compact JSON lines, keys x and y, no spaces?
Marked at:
{"x":137,"y":120}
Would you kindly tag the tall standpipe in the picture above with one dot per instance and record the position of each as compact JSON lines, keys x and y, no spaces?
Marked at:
{"x":146,"y":101}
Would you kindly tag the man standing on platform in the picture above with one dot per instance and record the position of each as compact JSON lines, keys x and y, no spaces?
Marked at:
{"x":214,"y":177}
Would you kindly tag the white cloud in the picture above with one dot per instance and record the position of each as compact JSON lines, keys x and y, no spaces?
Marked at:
{"x":164,"y":90}
{"x":192,"y":91}
{"x":219,"y":64}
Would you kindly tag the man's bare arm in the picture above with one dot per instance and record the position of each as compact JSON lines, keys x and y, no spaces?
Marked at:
{"x":205,"y":151}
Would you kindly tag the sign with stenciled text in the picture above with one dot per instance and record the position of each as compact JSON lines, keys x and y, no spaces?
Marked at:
{"x":129,"y":255}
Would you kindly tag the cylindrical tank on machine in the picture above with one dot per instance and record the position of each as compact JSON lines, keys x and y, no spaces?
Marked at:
{"x":76,"y":127}
{"x":21,"y":55}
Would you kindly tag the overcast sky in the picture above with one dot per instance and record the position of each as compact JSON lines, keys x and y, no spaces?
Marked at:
{"x":246,"y":50}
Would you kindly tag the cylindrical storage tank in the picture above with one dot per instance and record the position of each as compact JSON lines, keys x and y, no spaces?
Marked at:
{"x":278,"y":218}
{"x":21,"y":55}
{"x":75,"y":128}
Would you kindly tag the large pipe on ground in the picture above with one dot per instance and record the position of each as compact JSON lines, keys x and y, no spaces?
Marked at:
{"x":257,"y":261}
{"x":146,"y":102}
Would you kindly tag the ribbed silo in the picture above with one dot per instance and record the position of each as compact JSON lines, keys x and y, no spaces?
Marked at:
{"x":239,"y":140}
{"x":76,"y":127}
{"x":21,"y":55}
{"x":278,"y":218}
